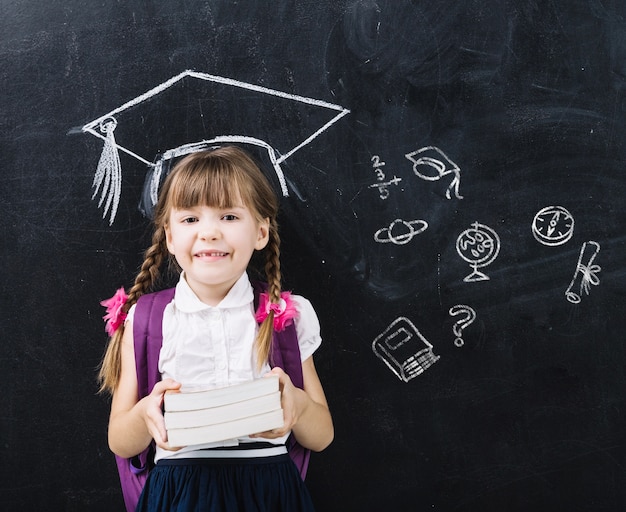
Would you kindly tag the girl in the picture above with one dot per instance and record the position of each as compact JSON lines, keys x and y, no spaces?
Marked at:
{"x":216,"y":208}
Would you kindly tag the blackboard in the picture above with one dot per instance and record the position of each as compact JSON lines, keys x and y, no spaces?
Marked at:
{"x":478,"y":163}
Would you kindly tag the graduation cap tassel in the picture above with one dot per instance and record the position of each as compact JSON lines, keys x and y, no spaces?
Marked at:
{"x":154,"y":183}
{"x":108,"y":177}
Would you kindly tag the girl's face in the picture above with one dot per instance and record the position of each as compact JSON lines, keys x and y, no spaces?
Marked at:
{"x":214,"y":246}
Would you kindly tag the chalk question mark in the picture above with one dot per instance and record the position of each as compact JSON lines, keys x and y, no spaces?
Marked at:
{"x":459,"y":325}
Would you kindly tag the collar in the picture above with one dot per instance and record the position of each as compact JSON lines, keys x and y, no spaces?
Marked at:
{"x":187,"y":301}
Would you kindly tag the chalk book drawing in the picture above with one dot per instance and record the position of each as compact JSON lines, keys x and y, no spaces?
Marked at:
{"x":404,"y":350}
{"x":479,"y":245}
{"x":108,"y":176}
{"x":432,"y":164}
{"x":586,"y":273}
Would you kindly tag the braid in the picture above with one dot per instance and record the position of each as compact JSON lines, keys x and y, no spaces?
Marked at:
{"x":111,"y":366}
{"x":150,"y":268}
{"x":273,"y":276}
{"x":272,"y":265}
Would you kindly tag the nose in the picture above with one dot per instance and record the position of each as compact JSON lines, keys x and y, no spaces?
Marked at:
{"x":209,"y":230}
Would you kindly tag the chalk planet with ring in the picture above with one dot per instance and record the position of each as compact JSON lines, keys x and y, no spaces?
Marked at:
{"x":400,"y":231}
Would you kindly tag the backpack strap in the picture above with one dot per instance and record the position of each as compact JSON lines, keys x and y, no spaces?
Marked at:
{"x":148,"y":337}
{"x":285,"y":349}
{"x":285,"y":353}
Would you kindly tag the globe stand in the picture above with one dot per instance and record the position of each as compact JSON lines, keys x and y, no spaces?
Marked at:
{"x":476,"y":276}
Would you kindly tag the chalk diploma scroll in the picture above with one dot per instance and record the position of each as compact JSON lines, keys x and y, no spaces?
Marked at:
{"x":585,"y":274}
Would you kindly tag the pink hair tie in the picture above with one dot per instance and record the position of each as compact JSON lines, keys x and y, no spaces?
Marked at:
{"x":115,"y":315}
{"x":284,"y":310}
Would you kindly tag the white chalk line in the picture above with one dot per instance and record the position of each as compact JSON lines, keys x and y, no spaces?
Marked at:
{"x":95,"y":129}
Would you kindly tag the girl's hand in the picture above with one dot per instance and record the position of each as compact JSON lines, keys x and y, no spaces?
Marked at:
{"x":153,"y":412}
{"x":305,"y":410}
{"x":289,"y":403}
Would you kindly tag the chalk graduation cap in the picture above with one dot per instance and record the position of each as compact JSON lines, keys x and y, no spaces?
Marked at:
{"x":193,"y":111}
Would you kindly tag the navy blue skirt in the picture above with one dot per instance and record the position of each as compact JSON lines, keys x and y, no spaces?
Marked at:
{"x":262,"y":484}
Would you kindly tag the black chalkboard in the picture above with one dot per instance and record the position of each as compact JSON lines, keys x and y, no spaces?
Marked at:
{"x":455,"y":212}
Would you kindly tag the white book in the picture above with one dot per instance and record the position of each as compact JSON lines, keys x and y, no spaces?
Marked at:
{"x":222,"y":431}
{"x":223,"y":413}
{"x":216,"y":397}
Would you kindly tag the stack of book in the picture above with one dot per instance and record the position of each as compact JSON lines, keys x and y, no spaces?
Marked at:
{"x":219,"y":414}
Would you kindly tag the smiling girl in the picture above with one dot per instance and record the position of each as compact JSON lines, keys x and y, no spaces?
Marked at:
{"x":215,"y":210}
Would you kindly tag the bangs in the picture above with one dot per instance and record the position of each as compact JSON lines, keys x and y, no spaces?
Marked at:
{"x":219,"y":185}
{"x":225,"y":177}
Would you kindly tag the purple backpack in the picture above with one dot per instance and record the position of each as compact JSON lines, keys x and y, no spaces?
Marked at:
{"x":148,"y":338}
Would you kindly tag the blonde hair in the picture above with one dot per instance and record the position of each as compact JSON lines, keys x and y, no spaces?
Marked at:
{"x":215,"y":178}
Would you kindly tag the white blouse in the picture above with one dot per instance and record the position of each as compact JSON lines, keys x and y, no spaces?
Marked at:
{"x":206,"y":346}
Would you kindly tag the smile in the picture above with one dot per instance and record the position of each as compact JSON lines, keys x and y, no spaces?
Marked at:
{"x":214,"y":254}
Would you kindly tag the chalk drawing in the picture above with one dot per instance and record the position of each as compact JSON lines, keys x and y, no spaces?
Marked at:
{"x":404,"y":350}
{"x":382,"y":185}
{"x":553,"y":225}
{"x":459,"y":325}
{"x":479,"y":246}
{"x":586,"y":273}
{"x":432,"y":164}
{"x":108,"y":177}
{"x":109,"y":171}
{"x":400,"y":231}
